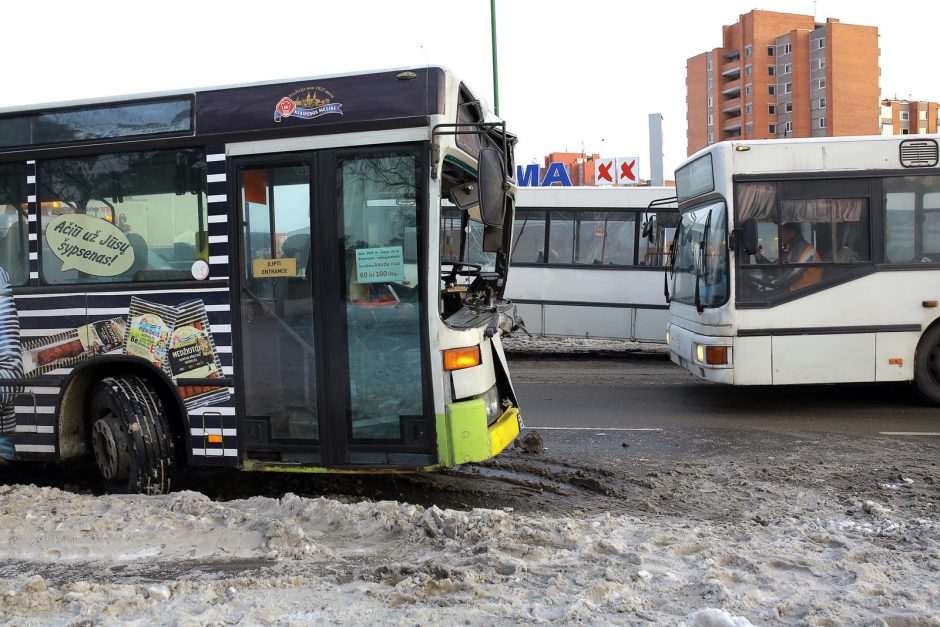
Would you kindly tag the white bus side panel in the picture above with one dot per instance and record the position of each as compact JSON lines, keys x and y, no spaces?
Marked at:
{"x":752,"y":360}
{"x":581,"y":321}
{"x":549,"y":286}
{"x":891,"y":346}
{"x":842,"y":358}
{"x":650,"y":325}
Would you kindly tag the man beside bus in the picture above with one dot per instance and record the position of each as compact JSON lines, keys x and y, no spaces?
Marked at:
{"x":796,"y":250}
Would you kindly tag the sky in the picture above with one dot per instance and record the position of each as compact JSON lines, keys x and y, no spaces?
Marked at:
{"x":572,"y":75}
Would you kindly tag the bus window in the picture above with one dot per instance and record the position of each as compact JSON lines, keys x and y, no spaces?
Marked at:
{"x":451,"y":221}
{"x":912,"y":219}
{"x":474,"y":247}
{"x":378,"y":194}
{"x":802,"y":241}
{"x":605,"y":238}
{"x":931,"y":229}
{"x":836,"y":227}
{"x":656,"y":252}
{"x":693,"y":265}
{"x":13,"y":226}
{"x":758,"y":202}
{"x":136,"y":216}
{"x":528,"y":238}
{"x":561,"y":238}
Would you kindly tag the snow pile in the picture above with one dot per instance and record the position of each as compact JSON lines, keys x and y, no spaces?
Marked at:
{"x":557,"y":345}
{"x":185,"y":559}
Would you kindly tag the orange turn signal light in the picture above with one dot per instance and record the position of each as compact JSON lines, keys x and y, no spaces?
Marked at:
{"x":460,"y":358}
{"x":716,"y":355}
{"x":896,"y":361}
{"x":215,"y":439}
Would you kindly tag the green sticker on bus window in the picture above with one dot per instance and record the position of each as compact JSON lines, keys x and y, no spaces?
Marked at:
{"x":376,"y":265}
{"x":89,"y":244}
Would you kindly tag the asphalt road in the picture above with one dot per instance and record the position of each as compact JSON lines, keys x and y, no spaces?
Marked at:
{"x":645,"y":402}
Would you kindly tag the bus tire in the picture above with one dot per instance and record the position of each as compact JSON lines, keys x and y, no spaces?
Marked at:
{"x":927,"y":365}
{"x":131,"y":436}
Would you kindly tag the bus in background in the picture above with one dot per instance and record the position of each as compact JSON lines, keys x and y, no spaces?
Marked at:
{"x":809,"y":261}
{"x":582,"y":265}
{"x":249,"y":277}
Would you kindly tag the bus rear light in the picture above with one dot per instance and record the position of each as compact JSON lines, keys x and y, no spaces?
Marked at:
{"x":712,"y":355}
{"x":460,"y":358}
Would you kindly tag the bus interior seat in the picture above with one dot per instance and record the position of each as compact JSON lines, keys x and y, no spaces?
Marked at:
{"x":184,"y":252}
{"x":141,"y":250}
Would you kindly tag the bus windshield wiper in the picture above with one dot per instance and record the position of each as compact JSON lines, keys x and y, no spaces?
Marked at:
{"x":704,"y":244}
{"x":671,"y":266}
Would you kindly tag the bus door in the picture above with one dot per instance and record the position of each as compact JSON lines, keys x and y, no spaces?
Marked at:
{"x":332,"y":355}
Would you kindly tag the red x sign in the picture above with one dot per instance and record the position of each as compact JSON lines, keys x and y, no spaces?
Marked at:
{"x":626,"y":170}
{"x":603,"y":171}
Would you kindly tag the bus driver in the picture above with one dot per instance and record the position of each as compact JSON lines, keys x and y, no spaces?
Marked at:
{"x":796,"y":250}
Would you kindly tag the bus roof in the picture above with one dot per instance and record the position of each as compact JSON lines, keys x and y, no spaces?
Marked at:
{"x":328,"y":104}
{"x":816,"y":154}
{"x":100,"y":100}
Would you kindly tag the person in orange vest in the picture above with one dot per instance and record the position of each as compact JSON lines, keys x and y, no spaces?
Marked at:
{"x":797,"y":250}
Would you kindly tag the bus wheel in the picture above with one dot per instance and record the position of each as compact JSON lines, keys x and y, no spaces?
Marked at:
{"x":927,"y":365}
{"x":131,"y":437}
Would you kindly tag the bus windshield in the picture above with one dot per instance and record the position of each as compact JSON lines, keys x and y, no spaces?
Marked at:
{"x":701,"y":229}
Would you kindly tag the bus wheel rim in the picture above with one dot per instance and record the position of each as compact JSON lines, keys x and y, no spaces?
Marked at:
{"x":106,"y":455}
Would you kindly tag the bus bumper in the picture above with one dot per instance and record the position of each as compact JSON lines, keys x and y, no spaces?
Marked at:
{"x":463,"y":436}
{"x":684,"y":351}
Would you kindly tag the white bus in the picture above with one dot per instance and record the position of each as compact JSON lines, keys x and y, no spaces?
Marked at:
{"x":250,"y":277}
{"x":809,"y":261}
{"x":581,"y":267}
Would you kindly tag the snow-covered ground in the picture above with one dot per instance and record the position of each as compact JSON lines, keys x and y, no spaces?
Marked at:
{"x":185,"y":559}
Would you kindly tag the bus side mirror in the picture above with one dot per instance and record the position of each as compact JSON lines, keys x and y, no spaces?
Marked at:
{"x":750,"y":237}
{"x":649,"y":229}
{"x":745,"y":237}
{"x":492,"y":239}
{"x":492,"y":193}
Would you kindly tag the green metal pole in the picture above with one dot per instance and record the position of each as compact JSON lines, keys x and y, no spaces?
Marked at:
{"x":495,"y":69}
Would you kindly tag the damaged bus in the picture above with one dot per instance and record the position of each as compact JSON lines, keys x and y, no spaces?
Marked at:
{"x":251,"y":276}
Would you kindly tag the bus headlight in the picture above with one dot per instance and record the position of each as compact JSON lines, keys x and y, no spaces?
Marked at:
{"x":494,"y":408}
{"x":712,"y":355}
{"x":667,"y":338}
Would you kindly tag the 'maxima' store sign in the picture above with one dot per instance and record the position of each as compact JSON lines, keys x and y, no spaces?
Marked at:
{"x":607,"y":171}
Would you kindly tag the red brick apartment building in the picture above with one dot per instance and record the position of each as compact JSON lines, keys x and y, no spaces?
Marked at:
{"x":784,"y":75}
{"x":909,"y":117}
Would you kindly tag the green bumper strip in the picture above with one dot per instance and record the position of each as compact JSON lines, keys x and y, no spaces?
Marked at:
{"x":463,"y":435}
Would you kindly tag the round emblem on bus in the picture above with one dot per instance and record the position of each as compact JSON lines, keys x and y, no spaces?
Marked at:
{"x":200,"y":270}
{"x":285,"y":107}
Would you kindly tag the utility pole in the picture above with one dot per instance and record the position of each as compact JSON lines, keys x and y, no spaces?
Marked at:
{"x":495,"y":69}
